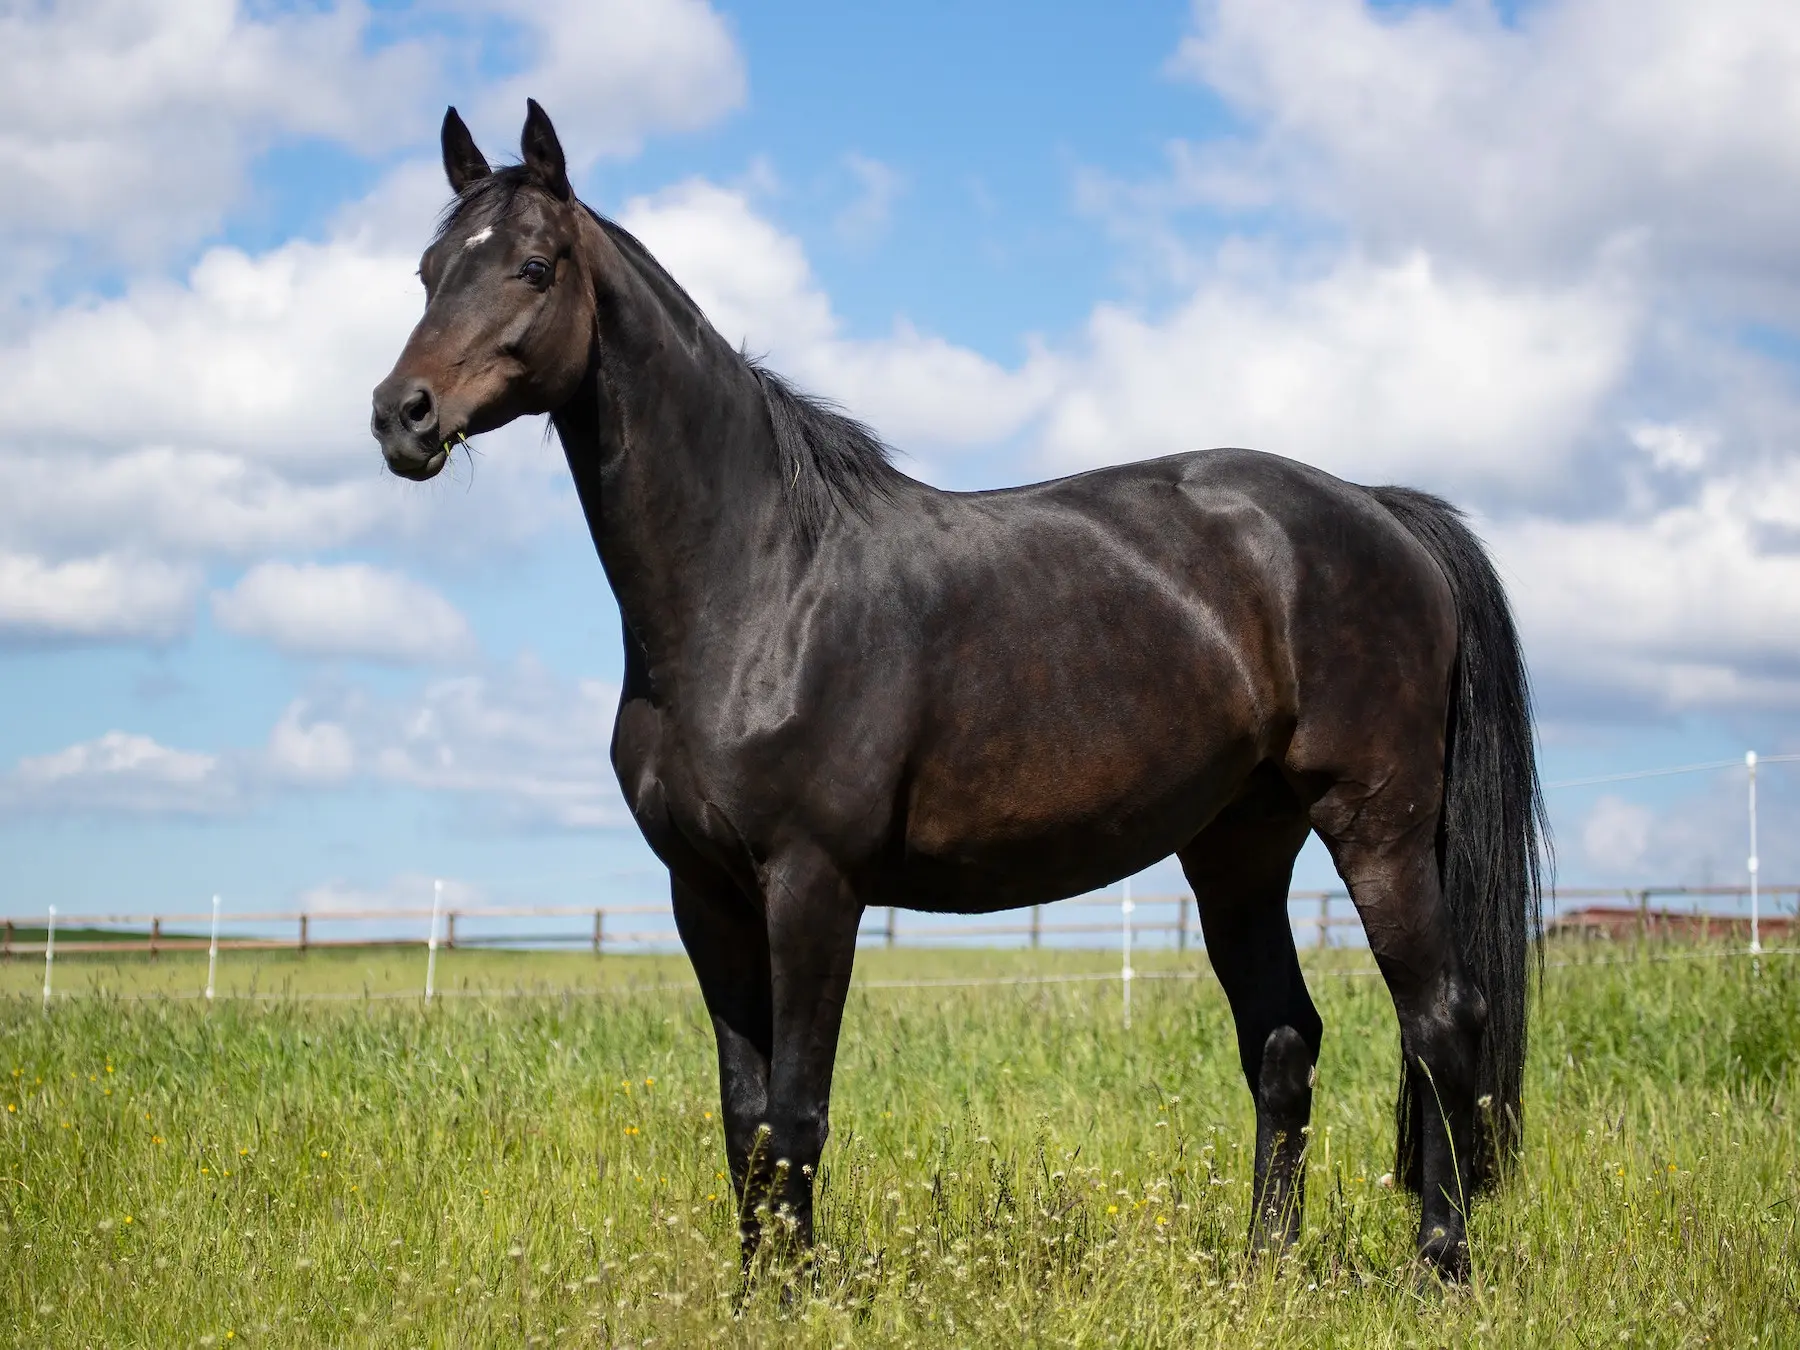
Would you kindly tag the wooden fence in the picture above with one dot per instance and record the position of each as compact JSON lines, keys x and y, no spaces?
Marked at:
{"x":1315,"y":915}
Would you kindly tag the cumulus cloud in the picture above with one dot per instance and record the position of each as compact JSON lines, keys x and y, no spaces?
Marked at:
{"x":1691,"y":831}
{"x":225,"y":414}
{"x":1615,"y":837}
{"x":271,"y":356}
{"x":132,"y":125}
{"x":106,"y":597}
{"x":309,"y":750}
{"x":1529,"y":139}
{"x":122,"y":772}
{"x":349,"y":610}
{"x":756,"y":285}
{"x":532,"y":748}
{"x":518,"y":747}
{"x":1372,"y":371}
{"x":1694,"y":606}
{"x":609,"y":72}
{"x":221,"y":414}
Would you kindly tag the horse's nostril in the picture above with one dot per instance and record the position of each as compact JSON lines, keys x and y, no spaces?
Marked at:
{"x":417,"y":410}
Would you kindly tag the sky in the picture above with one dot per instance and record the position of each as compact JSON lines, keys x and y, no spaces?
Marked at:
{"x":1541,"y":258}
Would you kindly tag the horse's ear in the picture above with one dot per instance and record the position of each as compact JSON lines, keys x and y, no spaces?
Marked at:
{"x":463,"y":163}
{"x":543,"y":152}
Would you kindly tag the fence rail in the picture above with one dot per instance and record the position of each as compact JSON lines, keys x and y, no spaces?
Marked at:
{"x":1315,"y":915}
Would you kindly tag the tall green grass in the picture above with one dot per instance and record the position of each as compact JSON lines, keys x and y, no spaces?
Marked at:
{"x":1008,"y":1166}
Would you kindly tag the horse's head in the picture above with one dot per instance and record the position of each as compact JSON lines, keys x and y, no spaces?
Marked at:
{"x":509,"y":312}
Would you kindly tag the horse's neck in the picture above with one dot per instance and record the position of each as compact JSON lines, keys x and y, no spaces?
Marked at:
{"x":669,"y":445}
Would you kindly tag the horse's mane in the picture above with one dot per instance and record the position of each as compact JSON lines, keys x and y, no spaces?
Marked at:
{"x":828,"y":461}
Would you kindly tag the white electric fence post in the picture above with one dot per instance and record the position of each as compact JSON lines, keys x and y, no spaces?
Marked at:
{"x":1125,"y":971}
{"x":49,"y":955}
{"x":437,"y":905}
{"x":212,"y":952}
{"x":1755,"y":898}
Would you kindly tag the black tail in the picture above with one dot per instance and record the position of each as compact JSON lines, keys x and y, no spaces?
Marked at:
{"x":1493,"y":820}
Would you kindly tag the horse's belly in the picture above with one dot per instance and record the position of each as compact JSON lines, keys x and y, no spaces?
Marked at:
{"x":1041,"y":839}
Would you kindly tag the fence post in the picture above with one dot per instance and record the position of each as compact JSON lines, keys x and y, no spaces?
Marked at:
{"x":450,"y":929}
{"x":599,"y":930}
{"x":1125,"y":970}
{"x":1324,"y":920}
{"x":1755,"y":916}
{"x":1643,"y":909}
{"x":437,"y":903}
{"x":49,"y":955}
{"x":212,"y":951}
{"x":303,"y":933}
{"x":890,"y":925}
{"x":6,"y":941}
{"x":1181,"y":909}
{"x":155,"y":933}
{"x":1037,"y":926}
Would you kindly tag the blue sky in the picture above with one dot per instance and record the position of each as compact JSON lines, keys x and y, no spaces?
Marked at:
{"x":1537,"y":258}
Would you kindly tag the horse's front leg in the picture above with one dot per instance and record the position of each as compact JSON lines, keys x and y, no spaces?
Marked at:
{"x":813,"y":916}
{"x":727,"y":941}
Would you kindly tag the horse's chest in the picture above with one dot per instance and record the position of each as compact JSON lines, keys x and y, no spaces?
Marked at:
{"x":684,"y":811}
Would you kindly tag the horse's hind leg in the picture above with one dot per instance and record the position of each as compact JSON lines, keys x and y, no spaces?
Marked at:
{"x":1384,"y":842}
{"x":1239,"y":867}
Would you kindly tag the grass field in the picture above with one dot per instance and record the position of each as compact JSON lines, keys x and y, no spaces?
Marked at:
{"x":1008,"y":1165}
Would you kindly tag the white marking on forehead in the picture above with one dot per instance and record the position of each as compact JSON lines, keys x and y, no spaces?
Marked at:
{"x":478,"y":236}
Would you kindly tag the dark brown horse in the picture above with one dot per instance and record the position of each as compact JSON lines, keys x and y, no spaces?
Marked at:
{"x":844,"y":688}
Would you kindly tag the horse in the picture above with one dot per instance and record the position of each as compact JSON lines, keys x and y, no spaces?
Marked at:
{"x":843,"y":687}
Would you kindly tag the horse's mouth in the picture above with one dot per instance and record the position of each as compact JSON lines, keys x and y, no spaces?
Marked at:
{"x":416,"y":465}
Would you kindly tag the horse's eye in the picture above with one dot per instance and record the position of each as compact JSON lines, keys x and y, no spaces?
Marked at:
{"x":536,"y":271}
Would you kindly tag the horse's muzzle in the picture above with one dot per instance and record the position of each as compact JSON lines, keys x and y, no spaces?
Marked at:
{"x":405,"y":421}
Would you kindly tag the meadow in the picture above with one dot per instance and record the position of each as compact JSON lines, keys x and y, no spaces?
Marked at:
{"x":1008,"y":1166}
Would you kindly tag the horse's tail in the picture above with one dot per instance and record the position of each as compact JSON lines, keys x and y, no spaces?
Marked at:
{"x":1489,"y":834}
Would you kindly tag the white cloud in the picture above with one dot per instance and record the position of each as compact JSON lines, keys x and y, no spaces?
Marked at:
{"x":1692,"y":606}
{"x":1692,"y":830}
{"x":184,"y":503}
{"x":349,"y":610}
{"x":1533,"y":140}
{"x":105,"y":597}
{"x":1672,"y":446}
{"x":121,"y":772}
{"x":755,"y":284}
{"x":611,"y":71}
{"x":270,"y":356}
{"x":519,"y":746}
{"x":316,"y":751}
{"x":132,"y":124}
{"x":1371,"y":371}
{"x":534,"y":747}
{"x":227,"y":413}
{"x":1615,"y":837}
